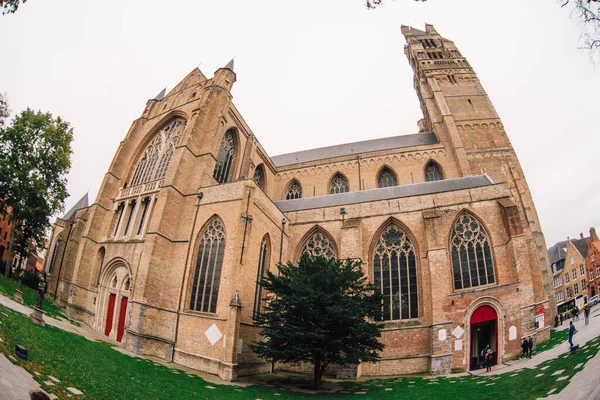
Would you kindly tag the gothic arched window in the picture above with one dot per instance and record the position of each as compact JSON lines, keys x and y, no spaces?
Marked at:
{"x":149,"y":168}
{"x":294,"y":191}
{"x":433,"y":172}
{"x":224,"y":166}
{"x":54,"y":253}
{"x":318,"y":244}
{"x":395,"y":274}
{"x":339,"y":184}
{"x":472,"y":263}
{"x":259,"y":176}
{"x":205,"y":286}
{"x":386,"y":178}
{"x":263,"y":266}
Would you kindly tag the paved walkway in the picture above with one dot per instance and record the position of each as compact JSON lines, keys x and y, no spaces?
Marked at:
{"x":15,"y":382}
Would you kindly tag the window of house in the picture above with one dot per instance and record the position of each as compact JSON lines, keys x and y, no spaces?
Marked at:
{"x":207,"y":276}
{"x":263,"y":260}
{"x":319,"y":245}
{"x":569,"y":292}
{"x":598,"y":271}
{"x":583,"y":285}
{"x":576,"y":288}
{"x":574,"y":272}
{"x":572,"y":260}
{"x":581,"y":270}
{"x":339,"y":184}
{"x":294,"y":191}
{"x":567,"y":279}
{"x":155,"y":160}
{"x":472,"y":263}
{"x":433,"y":172}
{"x":386,"y":178}
{"x":591,"y":274}
{"x":395,"y":274}
{"x":224,"y":166}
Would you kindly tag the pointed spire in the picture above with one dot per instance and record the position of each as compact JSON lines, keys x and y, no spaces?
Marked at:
{"x":82,"y":203}
{"x":161,"y":95}
{"x":230,"y":65}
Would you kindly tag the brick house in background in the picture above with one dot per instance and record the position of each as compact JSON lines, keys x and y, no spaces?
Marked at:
{"x":192,"y":211}
{"x":592,"y":263}
{"x":567,"y":259}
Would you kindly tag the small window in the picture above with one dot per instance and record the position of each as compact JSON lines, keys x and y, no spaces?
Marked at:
{"x":572,"y":260}
{"x":567,"y":279}
{"x":574,"y":272}
{"x":339,"y":184}
{"x":598,"y":271}
{"x":433,"y":172}
{"x":583,"y":285}
{"x":294,"y":191}
{"x":576,"y":288}
{"x":591,"y":274}
{"x":581,"y":270}
{"x":387,"y":178}
{"x":259,"y":177}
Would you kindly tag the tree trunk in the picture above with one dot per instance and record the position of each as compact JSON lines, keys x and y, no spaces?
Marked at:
{"x":11,"y":244}
{"x":318,"y":373}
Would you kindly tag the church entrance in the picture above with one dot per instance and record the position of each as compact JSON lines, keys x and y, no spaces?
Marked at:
{"x":484,"y":331}
{"x":114,"y":298}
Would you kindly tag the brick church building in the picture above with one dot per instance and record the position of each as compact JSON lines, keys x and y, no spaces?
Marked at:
{"x":192,"y":211}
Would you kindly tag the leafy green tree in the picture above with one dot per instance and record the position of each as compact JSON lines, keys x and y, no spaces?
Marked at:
{"x":10,"y":6}
{"x":320,"y":312}
{"x":35,"y":157}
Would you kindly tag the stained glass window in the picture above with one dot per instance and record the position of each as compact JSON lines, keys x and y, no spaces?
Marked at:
{"x":339,"y":184}
{"x":224,"y":166}
{"x":294,"y":191}
{"x":395,"y":274}
{"x":205,"y":286}
{"x":263,"y":262}
{"x":318,"y":244}
{"x":148,"y":167}
{"x":472,"y":263}
{"x":387,"y":178}
{"x":433,"y":172}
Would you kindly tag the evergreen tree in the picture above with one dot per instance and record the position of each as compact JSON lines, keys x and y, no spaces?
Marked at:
{"x":320,"y":312}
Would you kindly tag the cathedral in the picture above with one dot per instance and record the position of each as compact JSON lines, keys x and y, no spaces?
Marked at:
{"x":193,"y":211}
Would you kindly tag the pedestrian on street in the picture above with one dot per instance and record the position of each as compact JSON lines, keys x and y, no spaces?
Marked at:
{"x":489,"y":357}
{"x":529,"y":347}
{"x":561,"y":318}
{"x":571,"y":333}
{"x":524,"y":348}
{"x":586,"y":313}
{"x":556,"y":321}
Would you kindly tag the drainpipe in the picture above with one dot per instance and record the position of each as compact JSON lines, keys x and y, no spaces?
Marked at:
{"x":62,"y":259}
{"x":200,"y":195}
{"x":246,"y":219}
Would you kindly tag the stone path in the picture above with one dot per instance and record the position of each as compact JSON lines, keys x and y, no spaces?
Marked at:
{"x":15,"y":382}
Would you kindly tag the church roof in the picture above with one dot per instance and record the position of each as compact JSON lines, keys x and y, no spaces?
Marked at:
{"x":229,"y":65}
{"x":388,"y":193}
{"x":161,"y":95}
{"x":345,"y":149}
{"x":82,"y":203}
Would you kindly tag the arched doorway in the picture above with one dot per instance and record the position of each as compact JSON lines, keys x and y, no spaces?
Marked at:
{"x":484,"y":331}
{"x":115,"y":286}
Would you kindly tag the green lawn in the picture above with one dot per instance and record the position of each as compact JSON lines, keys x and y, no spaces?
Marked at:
{"x":104,"y":373}
{"x":556,"y":338}
{"x":8,"y":287}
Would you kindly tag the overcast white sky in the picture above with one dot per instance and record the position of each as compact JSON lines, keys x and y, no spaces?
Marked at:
{"x":312,"y":74}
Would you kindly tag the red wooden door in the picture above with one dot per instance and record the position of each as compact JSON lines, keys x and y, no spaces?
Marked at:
{"x":122,"y":314}
{"x":110,"y":314}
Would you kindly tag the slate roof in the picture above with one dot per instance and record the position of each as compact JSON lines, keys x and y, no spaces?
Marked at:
{"x":395,"y":192}
{"x":581,"y":245}
{"x":82,"y":203}
{"x":345,"y":149}
{"x":559,"y":250}
{"x":229,"y":65}
{"x":161,"y":95}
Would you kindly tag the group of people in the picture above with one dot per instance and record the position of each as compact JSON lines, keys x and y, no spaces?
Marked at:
{"x":487,"y":358}
{"x":527,"y":347}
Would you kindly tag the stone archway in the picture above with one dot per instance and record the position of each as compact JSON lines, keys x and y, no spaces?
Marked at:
{"x":113,"y":299}
{"x":484,"y":320}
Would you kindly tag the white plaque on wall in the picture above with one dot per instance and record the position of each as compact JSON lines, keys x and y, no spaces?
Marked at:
{"x":458,"y":332}
{"x":213,"y":334}
{"x":458,"y":345}
{"x":512,"y":333}
{"x":442,"y":335}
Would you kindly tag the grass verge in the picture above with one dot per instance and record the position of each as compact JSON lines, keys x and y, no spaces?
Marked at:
{"x":8,"y":287}
{"x":104,"y":373}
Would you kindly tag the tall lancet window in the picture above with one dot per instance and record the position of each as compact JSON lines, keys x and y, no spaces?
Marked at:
{"x":263,"y":266}
{"x":386,"y":178}
{"x":156,"y":157}
{"x":433,"y":172}
{"x":395,"y":274}
{"x":259,"y":177}
{"x":226,"y":157}
{"x":205,"y":287}
{"x":318,"y":244}
{"x":472,"y":263}
{"x":339,"y":184}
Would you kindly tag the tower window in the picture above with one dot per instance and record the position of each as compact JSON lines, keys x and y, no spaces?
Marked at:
{"x":433,"y":172}
{"x":339,"y":184}
{"x":472,"y":263}
{"x":294,"y":191}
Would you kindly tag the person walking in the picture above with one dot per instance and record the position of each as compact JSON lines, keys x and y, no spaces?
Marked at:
{"x":524,"y":348}
{"x":571,"y":333}
{"x":561,"y":318}
{"x":556,"y":321}
{"x":586,"y":313}
{"x":529,"y":347}
{"x":489,"y":357}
